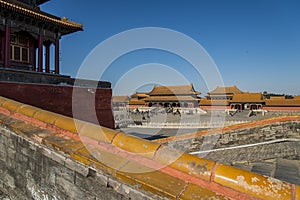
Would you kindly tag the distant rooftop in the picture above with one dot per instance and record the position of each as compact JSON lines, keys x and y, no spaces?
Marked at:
{"x":226,"y":90}
{"x":173,"y":90}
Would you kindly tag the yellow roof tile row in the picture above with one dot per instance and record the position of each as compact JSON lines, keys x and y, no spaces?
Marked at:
{"x":282,"y":102}
{"x":247,"y":97}
{"x":136,"y":102}
{"x":170,"y":98}
{"x":173,"y":90}
{"x":225,"y":90}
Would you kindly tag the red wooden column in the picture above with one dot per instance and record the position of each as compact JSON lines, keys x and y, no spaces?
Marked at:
{"x":40,"y":53}
{"x":34,"y":59}
{"x":48,"y":57}
{"x":7,"y":47}
{"x":57,"y":56}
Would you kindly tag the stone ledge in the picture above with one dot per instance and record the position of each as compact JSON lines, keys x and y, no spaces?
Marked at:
{"x":226,"y":129}
{"x":223,"y":176}
{"x":253,"y":184}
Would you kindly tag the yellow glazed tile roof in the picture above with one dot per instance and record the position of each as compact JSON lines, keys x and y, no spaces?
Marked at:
{"x":173,"y":90}
{"x":139,"y":95}
{"x":136,"y":102}
{"x":171,"y":98}
{"x":247,"y":98}
{"x":225,"y":90}
{"x":283,"y":102}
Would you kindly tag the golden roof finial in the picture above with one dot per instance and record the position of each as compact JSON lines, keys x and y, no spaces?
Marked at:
{"x":64,"y":19}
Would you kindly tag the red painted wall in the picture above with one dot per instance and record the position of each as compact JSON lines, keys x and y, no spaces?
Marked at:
{"x":58,"y":99}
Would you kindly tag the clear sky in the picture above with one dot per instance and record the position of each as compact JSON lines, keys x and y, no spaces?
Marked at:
{"x":254,"y":43}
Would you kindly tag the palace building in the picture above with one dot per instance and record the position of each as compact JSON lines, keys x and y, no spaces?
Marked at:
{"x":220,"y":98}
{"x":27,"y":34}
{"x":247,"y":101}
{"x":30,"y":64}
{"x":137,"y":100}
{"x":120,"y":101}
{"x":173,"y":96}
{"x":223,"y":93}
{"x":282,"y":103}
{"x":220,"y":104}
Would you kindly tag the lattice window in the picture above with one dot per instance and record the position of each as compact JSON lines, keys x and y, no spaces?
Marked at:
{"x":19,"y":46}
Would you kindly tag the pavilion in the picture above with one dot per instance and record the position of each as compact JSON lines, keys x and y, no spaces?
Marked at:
{"x":223,"y":93}
{"x":120,"y":101}
{"x":30,"y":64}
{"x":247,"y":101}
{"x":137,"y":100}
{"x":25,"y":30}
{"x":173,"y":96}
{"x":220,"y":97}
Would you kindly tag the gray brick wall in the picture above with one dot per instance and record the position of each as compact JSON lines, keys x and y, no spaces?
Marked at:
{"x":29,"y":170}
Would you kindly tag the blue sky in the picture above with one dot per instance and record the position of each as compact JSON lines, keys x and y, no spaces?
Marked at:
{"x":254,"y":43}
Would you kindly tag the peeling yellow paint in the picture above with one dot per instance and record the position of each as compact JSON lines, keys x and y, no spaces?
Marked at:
{"x":252,"y":184}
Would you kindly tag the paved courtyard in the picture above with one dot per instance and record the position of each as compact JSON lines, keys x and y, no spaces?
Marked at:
{"x":278,"y":158}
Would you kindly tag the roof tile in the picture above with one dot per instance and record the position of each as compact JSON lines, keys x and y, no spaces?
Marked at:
{"x":173,"y":90}
{"x":247,"y":98}
{"x":225,"y":90}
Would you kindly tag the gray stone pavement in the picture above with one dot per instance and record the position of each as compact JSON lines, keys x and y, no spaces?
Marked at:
{"x":210,"y":115}
{"x":280,"y":160}
{"x":3,"y":196}
{"x":155,"y":133}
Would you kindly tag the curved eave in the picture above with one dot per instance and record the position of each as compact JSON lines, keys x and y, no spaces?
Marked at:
{"x":39,"y":2}
{"x":69,"y":26}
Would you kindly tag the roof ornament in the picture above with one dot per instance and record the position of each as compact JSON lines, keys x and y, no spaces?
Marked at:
{"x":64,"y":19}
